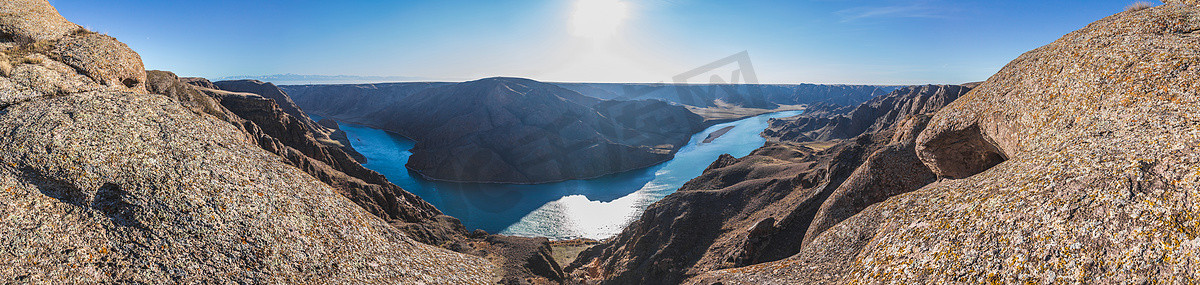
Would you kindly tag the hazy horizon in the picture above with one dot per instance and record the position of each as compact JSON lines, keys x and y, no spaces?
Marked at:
{"x":859,"y":42}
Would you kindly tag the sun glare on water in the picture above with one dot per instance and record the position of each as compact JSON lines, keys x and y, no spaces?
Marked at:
{"x":598,"y":19}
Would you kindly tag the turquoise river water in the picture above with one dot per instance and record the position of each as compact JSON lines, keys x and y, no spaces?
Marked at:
{"x":594,"y":208}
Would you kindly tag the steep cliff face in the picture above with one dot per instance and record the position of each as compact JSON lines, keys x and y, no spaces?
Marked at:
{"x":1076,"y":163}
{"x":877,"y":114}
{"x":102,"y":182}
{"x":270,"y":91}
{"x":766,"y":206}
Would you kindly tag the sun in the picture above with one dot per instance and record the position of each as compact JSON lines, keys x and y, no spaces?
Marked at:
{"x":598,"y":19}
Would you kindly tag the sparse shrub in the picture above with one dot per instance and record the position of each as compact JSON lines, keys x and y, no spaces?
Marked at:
{"x":1138,"y":6}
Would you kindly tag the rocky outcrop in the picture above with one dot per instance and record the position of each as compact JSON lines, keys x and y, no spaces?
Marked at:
{"x":270,"y":91}
{"x":102,"y":182}
{"x":827,"y":122}
{"x":325,"y":158}
{"x":28,"y":21}
{"x":1098,"y":138}
{"x":167,"y":83}
{"x":768,"y":205}
{"x":199,"y":82}
{"x":508,"y":130}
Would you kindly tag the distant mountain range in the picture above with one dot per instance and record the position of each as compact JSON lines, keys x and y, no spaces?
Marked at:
{"x":300,"y":79}
{"x":763,"y":96}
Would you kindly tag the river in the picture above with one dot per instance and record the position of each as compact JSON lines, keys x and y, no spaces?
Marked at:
{"x":594,"y":208}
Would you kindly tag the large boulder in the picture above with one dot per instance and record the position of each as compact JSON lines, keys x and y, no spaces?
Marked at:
{"x":32,"y":20}
{"x":1095,"y":142}
{"x":42,"y":54}
{"x":102,"y":58}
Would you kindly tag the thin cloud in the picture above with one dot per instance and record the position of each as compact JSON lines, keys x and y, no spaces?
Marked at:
{"x":913,"y":10}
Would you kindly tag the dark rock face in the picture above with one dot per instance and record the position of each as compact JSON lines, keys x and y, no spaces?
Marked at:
{"x":101,"y":182}
{"x":766,"y":206}
{"x":1099,"y":131}
{"x":827,"y":122}
{"x":269,"y":91}
{"x":510,"y":130}
{"x":324,"y":134}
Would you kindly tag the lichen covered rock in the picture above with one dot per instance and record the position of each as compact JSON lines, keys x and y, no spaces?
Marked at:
{"x":1101,"y":132}
{"x":32,"y":20}
{"x":104,"y":59}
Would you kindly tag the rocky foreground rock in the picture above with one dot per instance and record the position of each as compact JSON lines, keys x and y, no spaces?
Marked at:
{"x":102,"y":182}
{"x":1076,"y":163}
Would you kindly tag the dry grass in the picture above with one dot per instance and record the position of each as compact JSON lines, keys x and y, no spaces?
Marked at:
{"x":21,"y":53}
{"x":6,"y":68}
{"x":565,"y":252}
{"x":30,"y":59}
{"x":1138,"y":6}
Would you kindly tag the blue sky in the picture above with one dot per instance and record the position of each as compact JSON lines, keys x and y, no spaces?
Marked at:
{"x":798,"y":41}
